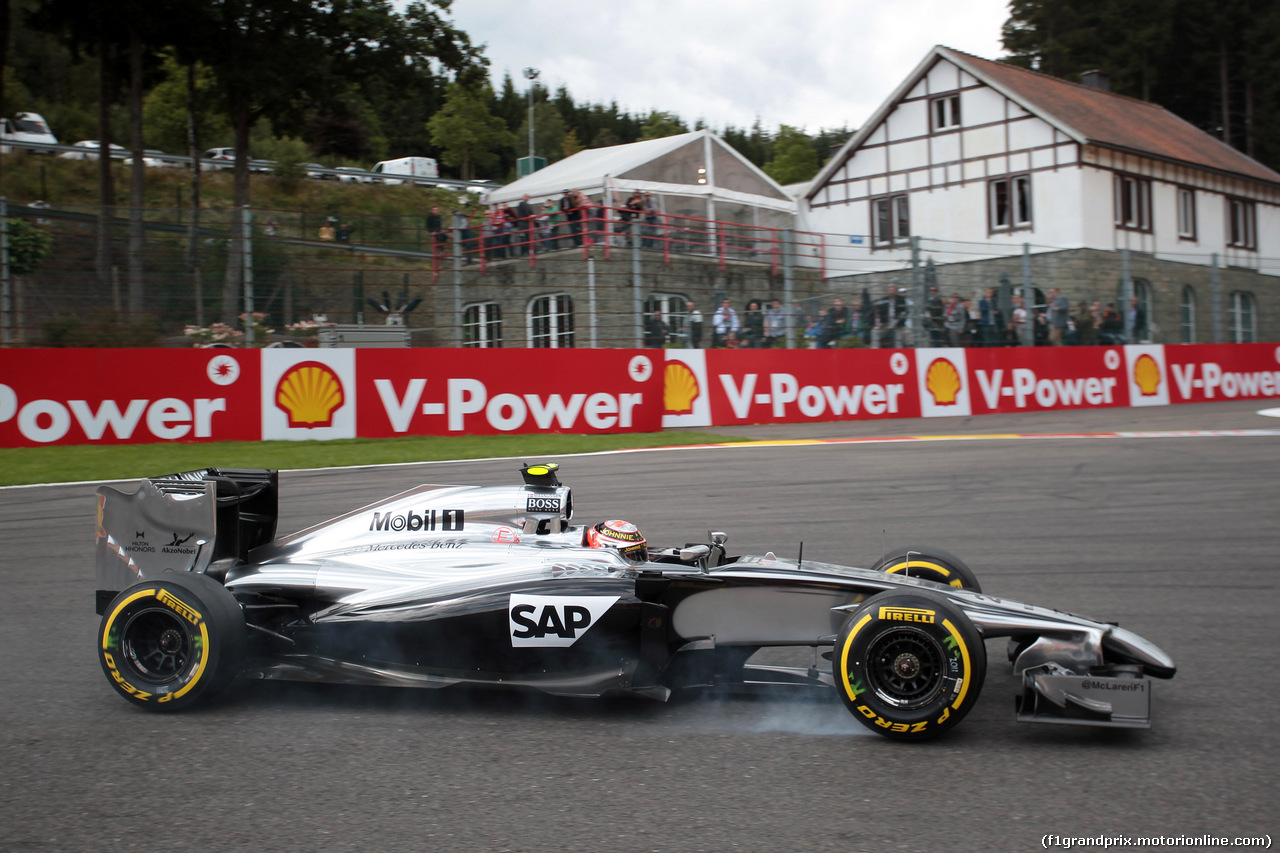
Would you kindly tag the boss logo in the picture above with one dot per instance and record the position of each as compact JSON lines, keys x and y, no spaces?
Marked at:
{"x":554,"y":620}
{"x":539,"y":504}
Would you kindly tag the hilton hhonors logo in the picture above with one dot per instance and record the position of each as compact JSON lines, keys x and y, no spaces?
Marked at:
{"x":308,"y":394}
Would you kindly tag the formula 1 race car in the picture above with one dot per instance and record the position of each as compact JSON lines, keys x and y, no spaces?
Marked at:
{"x":484,"y":585}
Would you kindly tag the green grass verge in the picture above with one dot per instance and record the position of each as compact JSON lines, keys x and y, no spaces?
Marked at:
{"x":23,"y":465}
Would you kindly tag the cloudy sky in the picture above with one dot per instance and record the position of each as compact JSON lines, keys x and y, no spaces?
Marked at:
{"x":806,"y":63}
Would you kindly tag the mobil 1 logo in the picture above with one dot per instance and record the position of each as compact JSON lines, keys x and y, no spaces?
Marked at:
{"x":554,"y":620}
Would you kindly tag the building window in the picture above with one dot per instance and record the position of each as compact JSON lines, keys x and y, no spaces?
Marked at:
{"x":1188,"y":315}
{"x":1242,"y":224}
{"x":1009,"y":203}
{"x":482,"y":325}
{"x":945,"y":112}
{"x":551,"y":321}
{"x":1133,"y":203}
{"x":1242,"y":318}
{"x":890,"y":220}
{"x":1186,"y":214}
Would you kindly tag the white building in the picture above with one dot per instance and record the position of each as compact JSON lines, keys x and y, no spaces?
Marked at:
{"x":980,"y":155}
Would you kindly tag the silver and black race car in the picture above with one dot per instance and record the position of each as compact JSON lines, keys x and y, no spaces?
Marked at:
{"x":493,"y":586}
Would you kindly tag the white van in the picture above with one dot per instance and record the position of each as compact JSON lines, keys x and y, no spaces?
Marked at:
{"x":27,"y":127}
{"x":417,"y":167}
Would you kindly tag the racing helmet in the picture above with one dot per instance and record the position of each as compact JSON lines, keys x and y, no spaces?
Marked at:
{"x":622,"y":536}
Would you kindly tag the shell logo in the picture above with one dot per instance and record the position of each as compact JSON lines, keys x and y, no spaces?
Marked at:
{"x":1146,"y":375}
{"x":681,"y":389}
{"x":942,"y":380}
{"x":309,"y":393}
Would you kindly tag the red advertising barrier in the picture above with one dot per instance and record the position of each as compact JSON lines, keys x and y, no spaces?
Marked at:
{"x":495,"y":391}
{"x":789,"y":386}
{"x":127,"y":396}
{"x":1204,"y":373}
{"x":118,"y":396}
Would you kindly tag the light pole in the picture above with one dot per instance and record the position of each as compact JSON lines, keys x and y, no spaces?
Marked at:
{"x":531,"y":74}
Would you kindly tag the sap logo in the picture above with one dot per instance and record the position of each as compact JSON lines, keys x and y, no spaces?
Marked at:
{"x":554,"y":620}
{"x":534,"y":504}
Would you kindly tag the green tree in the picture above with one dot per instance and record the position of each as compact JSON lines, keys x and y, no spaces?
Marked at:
{"x":548,"y":129}
{"x":164,"y":110}
{"x":794,"y":159}
{"x":570,"y":145}
{"x":466,"y":133}
{"x":660,"y":124}
{"x":29,"y":246}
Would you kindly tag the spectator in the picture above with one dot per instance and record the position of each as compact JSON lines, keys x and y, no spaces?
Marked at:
{"x":1111,"y":327}
{"x":1137,"y":320}
{"x":436,"y":232}
{"x":753,"y":326}
{"x":987,"y":313}
{"x":633,"y":208}
{"x":724,"y":321}
{"x":655,"y":330}
{"x":935,"y":310}
{"x":344,"y":232}
{"x":693,"y":322}
{"x":572,"y":215}
{"x":955,"y":320}
{"x":838,"y":321}
{"x":1059,"y":314}
{"x":1017,"y":323}
{"x":971,"y":331}
{"x":523,"y":225}
{"x":650,"y":221}
{"x":1086,"y":332}
{"x":800,"y":318}
{"x":893,"y":318}
{"x":813,"y":329}
{"x":270,"y":227}
{"x":775,"y":324}
{"x":326,"y":230}
{"x":545,"y":224}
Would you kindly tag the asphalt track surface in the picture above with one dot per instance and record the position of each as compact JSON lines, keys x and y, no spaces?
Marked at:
{"x":1174,"y":537}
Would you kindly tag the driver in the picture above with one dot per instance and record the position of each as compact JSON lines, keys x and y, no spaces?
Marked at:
{"x":622,"y":536}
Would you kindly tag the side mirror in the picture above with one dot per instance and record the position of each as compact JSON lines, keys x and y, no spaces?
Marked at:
{"x":718,"y":537}
{"x":694,"y":553}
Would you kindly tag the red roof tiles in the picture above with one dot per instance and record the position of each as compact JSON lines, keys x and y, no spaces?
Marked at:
{"x":1112,"y":120}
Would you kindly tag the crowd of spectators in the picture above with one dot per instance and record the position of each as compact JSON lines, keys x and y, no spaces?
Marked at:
{"x":956,"y":321}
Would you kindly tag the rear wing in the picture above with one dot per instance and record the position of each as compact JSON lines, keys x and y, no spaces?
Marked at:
{"x":184,"y":522}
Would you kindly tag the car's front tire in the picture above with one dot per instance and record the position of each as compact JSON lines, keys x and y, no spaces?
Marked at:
{"x":932,"y":564}
{"x":909,"y":664}
{"x":168,"y":643}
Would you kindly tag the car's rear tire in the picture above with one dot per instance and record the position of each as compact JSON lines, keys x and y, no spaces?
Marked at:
{"x":168,"y":643}
{"x":932,"y":564}
{"x":909,"y":664}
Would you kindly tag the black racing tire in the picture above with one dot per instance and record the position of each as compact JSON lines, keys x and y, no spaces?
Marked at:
{"x":931,"y":564}
{"x":168,"y":643}
{"x":909,"y":664}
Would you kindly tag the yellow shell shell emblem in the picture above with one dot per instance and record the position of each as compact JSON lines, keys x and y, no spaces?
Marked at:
{"x":681,"y":389}
{"x":310,"y":392}
{"x":942,"y":381}
{"x":1146,"y":375}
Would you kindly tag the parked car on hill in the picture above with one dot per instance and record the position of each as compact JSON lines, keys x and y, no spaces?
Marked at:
{"x":88,"y":149}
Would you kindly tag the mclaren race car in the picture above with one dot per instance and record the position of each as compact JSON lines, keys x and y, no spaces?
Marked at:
{"x":494,"y":586}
